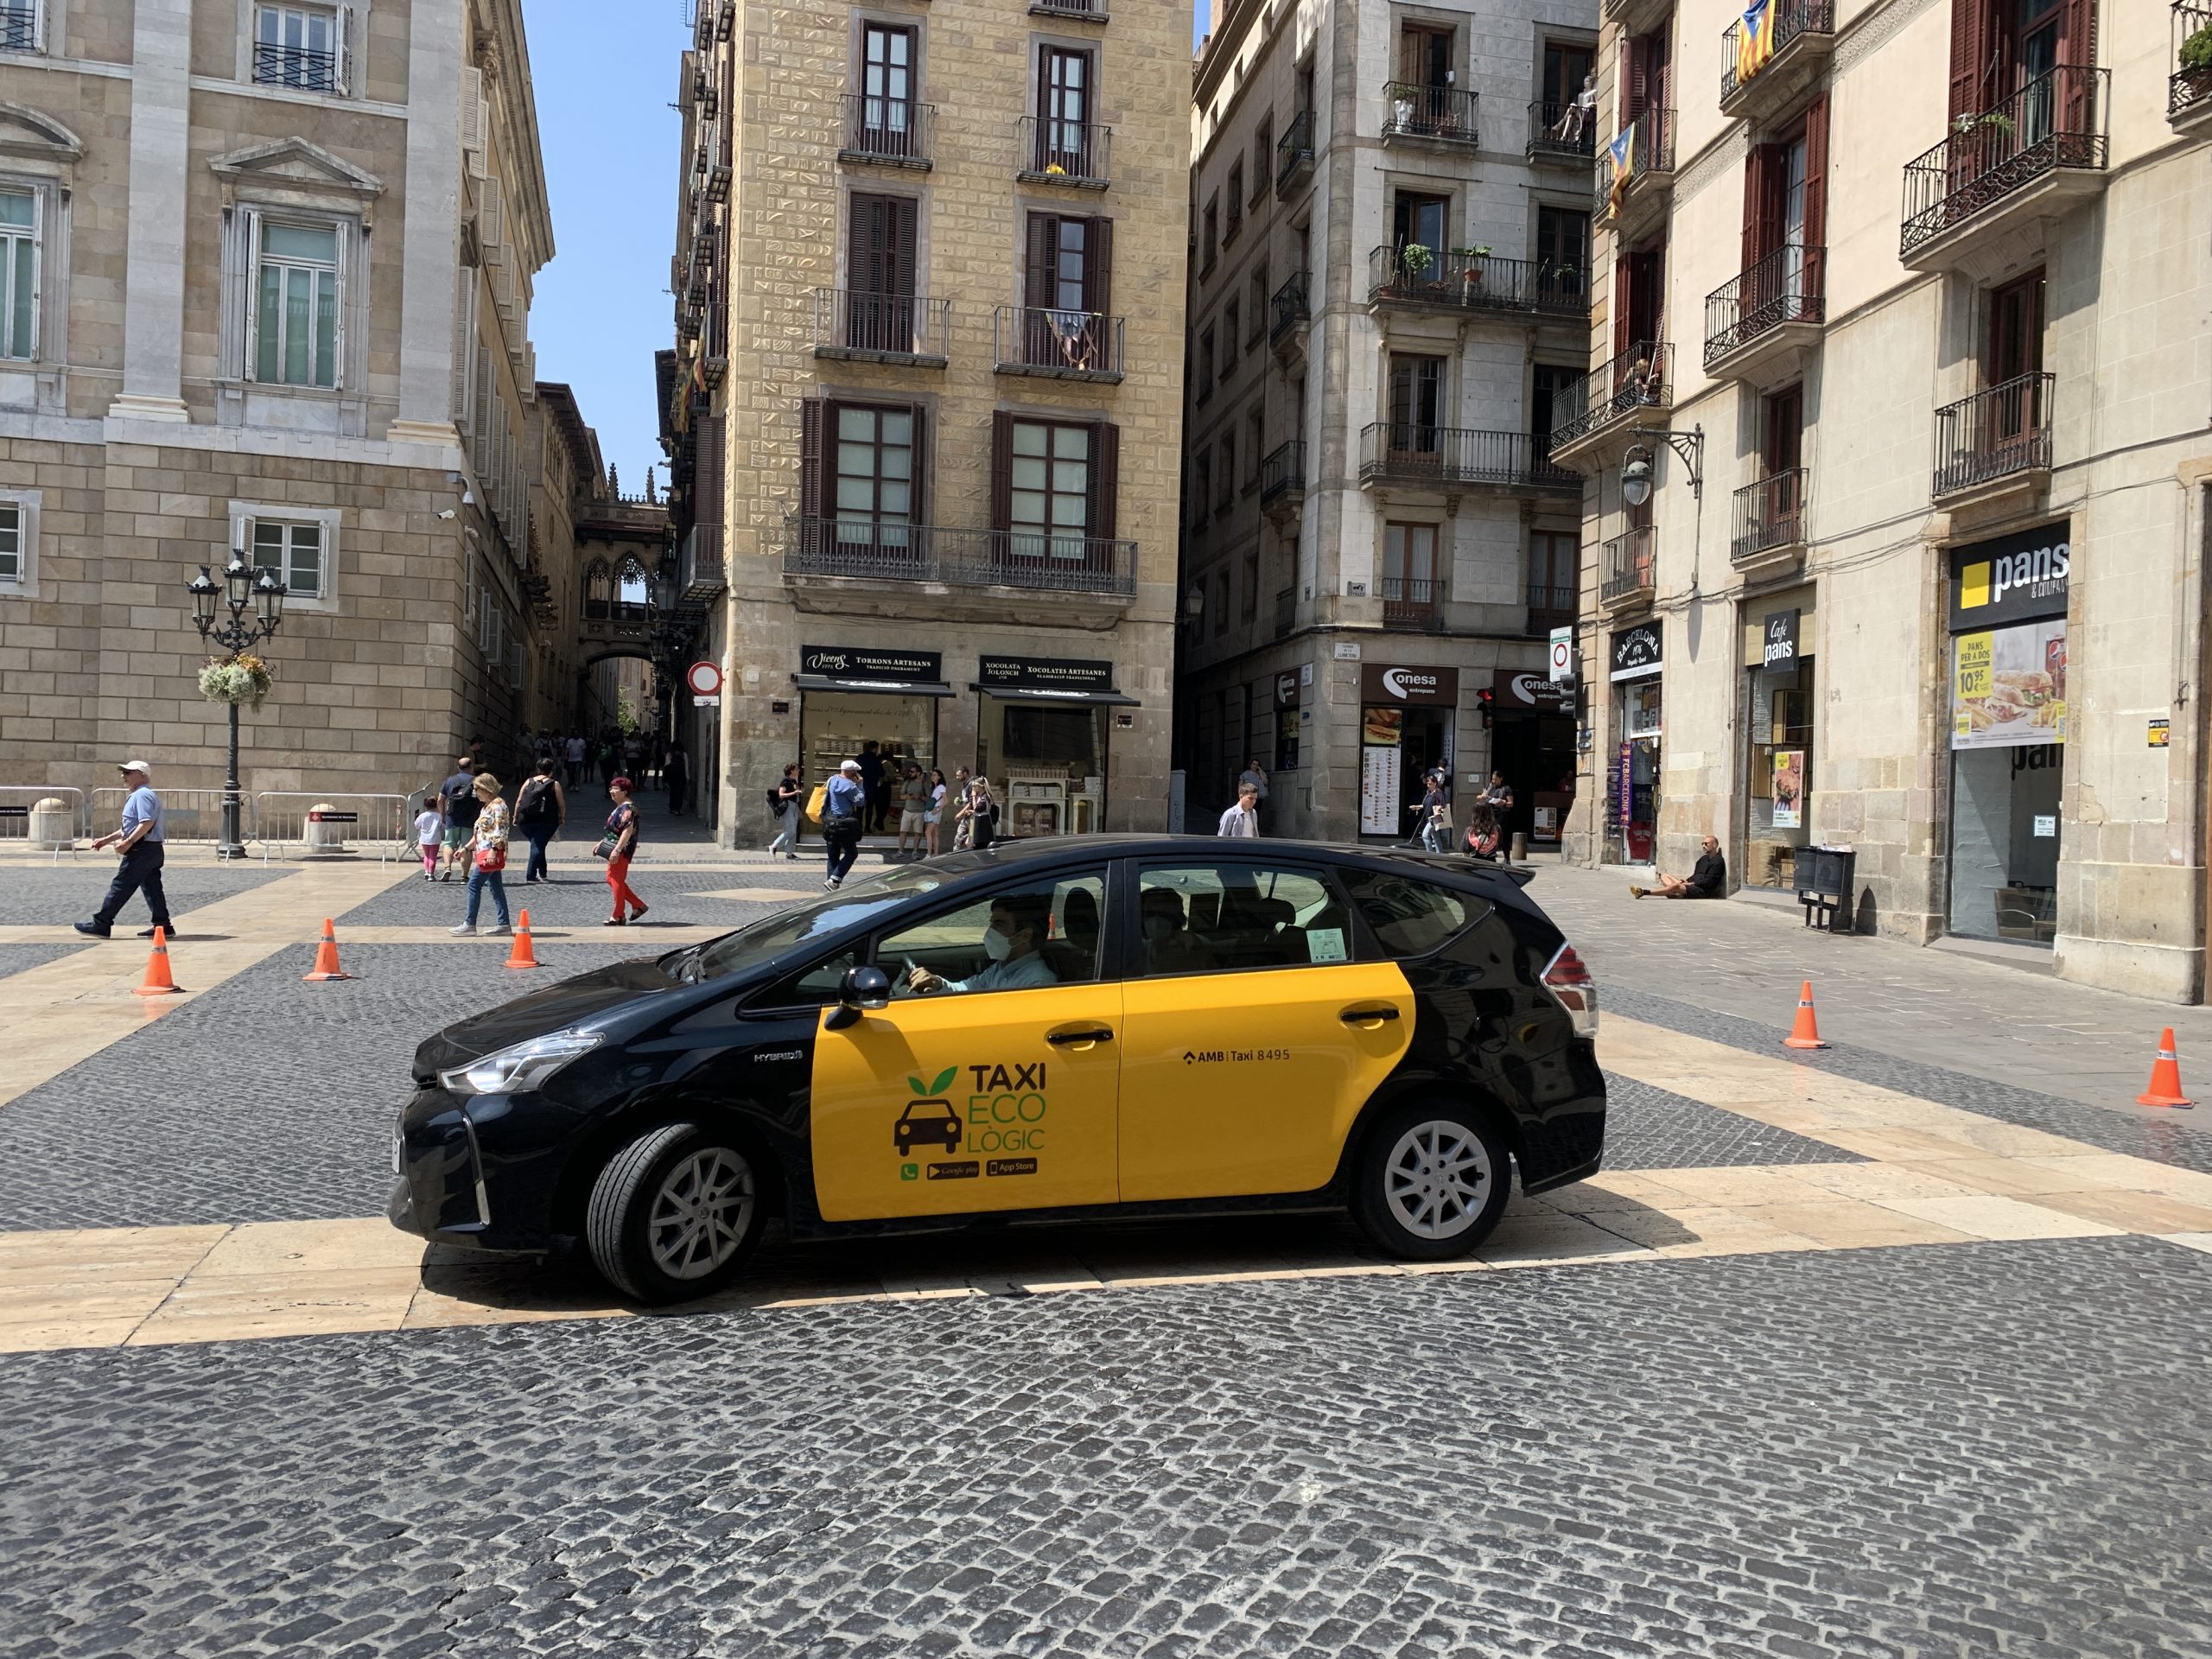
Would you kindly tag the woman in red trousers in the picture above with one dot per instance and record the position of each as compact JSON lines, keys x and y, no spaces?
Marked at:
{"x":622,"y":829}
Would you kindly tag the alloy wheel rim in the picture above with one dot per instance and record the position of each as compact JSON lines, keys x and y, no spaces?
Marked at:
{"x":701,"y":1213}
{"x":1437,"y":1180}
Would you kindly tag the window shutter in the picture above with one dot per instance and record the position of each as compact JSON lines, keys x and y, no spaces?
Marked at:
{"x":1002,"y":469}
{"x":1105,"y":477}
{"x":864,"y":255}
{"x":342,"y":299}
{"x":917,"y":484}
{"x":901,"y":216}
{"x":813,"y":486}
{"x":1098,"y":275}
{"x":1754,"y":202}
{"x":1969,"y":55}
{"x":251,"y":264}
{"x":1816,"y":175}
{"x":2078,"y":50}
{"x":1043,"y":245}
{"x":1633,"y":88}
{"x":1621,"y":304}
{"x":472,"y":115}
{"x":464,"y":298}
{"x":343,"y":54}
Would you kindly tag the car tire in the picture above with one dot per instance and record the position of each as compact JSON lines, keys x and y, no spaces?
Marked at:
{"x":1432,"y":1181}
{"x":674,"y":1214}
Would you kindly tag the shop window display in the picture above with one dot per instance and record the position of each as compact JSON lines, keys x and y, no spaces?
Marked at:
{"x":1051,"y":760}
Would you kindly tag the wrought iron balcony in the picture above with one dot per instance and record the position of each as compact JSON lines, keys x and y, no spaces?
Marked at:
{"x":1412,"y":604}
{"x":2041,"y":147}
{"x":1294,"y":152}
{"x":1995,"y":434}
{"x":1766,"y":303}
{"x":1442,"y":113}
{"x":882,"y":327}
{"x":2189,"y":89}
{"x":699,"y":574}
{"x":886,"y":132}
{"x":289,"y":65}
{"x":1090,"y":10}
{"x":1053,"y":151}
{"x":1468,"y":279}
{"x":1060,"y":345}
{"x":1634,"y":383}
{"x":1799,"y":32}
{"x":886,"y":550}
{"x":1549,"y":607}
{"x":1770,"y":518}
{"x":1627,"y":567}
{"x":1562,"y":131}
{"x":1283,"y":472}
{"x":1650,"y":155}
{"x":19,"y":28}
{"x":1287,"y":310}
{"x":1413,"y":452}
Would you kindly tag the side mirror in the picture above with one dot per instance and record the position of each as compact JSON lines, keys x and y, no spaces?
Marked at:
{"x":860,"y":990}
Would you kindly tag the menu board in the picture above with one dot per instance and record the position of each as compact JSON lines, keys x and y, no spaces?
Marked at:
{"x":1379,"y":778}
{"x":2008,"y":687}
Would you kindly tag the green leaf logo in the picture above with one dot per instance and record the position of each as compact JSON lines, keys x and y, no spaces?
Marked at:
{"x":915,"y":1083}
{"x":943,"y":1079}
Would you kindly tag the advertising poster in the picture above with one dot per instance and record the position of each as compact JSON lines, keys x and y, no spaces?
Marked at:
{"x":1382,"y":727}
{"x":2008,"y":687}
{"x":1788,"y":789}
{"x":1378,"y":789}
{"x":1625,"y":786}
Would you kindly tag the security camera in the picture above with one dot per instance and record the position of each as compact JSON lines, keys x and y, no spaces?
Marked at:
{"x":448,"y":513}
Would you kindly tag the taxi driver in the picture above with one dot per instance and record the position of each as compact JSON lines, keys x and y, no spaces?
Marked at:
{"x":1015,"y":941}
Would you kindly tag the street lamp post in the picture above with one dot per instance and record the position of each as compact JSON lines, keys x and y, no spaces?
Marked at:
{"x":240,"y":591}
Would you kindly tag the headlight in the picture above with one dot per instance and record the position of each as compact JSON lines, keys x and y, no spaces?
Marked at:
{"x":524,"y":1066}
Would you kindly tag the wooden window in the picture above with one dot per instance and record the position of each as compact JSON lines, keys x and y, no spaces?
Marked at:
{"x":1416,"y":399}
{"x":1071,"y":265}
{"x":19,"y":273}
{"x":1263,"y":157}
{"x":1565,"y":64}
{"x":1782,"y":439}
{"x":1549,"y":384}
{"x":2016,"y":323}
{"x":1229,"y":331}
{"x":1639,"y":302}
{"x":1053,"y":487}
{"x":1421,"y":218}
{"x":1210,"y":232}
{"x":859,"y":466}
{"x":1411,"y":590}
{"x":1065,"y":81}
{"x":1425,"y":56}
{"x":1224,"y":477}
{"x":1254,"y":442}
{"x":1552,"y":573}
{"x":879,"y":273}
{"x":1235,"y":191}
{"x":1562,"y":248}
{"x":1255,"y":307}
{"x":886,"y":110}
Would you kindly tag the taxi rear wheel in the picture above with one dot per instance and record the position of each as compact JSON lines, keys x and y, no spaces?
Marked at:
{"x":1431,"y":1182}
{"x":674,"y":1214}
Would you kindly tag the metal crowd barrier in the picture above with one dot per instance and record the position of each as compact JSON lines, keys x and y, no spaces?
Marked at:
{"x":18,"y":820}
{"x":188,"y":815}
{"x":325,"y":824}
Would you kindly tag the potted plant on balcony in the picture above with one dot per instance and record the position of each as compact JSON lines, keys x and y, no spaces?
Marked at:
{"x":2196,"y":64}
{"x":1471,"y":269}
{"x":1402,"y":108}
{"x":1415,"y":257}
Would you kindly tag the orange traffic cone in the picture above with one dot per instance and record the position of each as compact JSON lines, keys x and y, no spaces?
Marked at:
{"x":2165,"y":1077}
{"x":326,"y":957}
{"x":158,"y":983}
{"x":1806,"y":1033}
{"x":522,"y":956}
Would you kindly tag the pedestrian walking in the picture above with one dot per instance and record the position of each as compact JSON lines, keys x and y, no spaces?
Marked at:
{"x":676,"y":777}
{"x":619,"y":846}
{"x":487,"y":855}
{"x":913,"y":809}
{"x":1243,"y":819}
{"x":784,"y":802}
{"x":431,"y":831}
{"x":963,"y":808}
{"x":844,"y":807}
{"x":1435,"y":810}
{"x":140,"y":842}
{"x":541,"y":808}
{"x":461,"y":807}
{"x":1500,"y":797}
{"x":933,"y":815}
{"x":873,"y":789}
{"x":573,"y":752}
{"x":982,"y":815}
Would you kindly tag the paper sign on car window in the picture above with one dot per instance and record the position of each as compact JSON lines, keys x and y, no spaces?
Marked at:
{"x":1325,"y":944}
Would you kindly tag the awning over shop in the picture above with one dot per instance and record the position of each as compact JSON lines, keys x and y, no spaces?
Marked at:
{"x":873,"y":688}
{"x":1039,"y":694}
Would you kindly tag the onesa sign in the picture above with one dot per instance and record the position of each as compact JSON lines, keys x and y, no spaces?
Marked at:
{"x":1381,"y":683}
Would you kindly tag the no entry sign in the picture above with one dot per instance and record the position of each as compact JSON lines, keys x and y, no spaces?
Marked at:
{"x":705,"y":679}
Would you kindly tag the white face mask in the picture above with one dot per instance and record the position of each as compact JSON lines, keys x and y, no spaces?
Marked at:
{"x":996,"y":945}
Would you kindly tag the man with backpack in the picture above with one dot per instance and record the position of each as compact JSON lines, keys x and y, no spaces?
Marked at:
{"x":459,"y":792}
{"x":540,"y":810}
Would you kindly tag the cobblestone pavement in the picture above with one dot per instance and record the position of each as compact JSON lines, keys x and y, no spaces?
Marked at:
{"x":35,"y":893}
{"x":1869,"y":1453}
{"x":1647,"y":1127}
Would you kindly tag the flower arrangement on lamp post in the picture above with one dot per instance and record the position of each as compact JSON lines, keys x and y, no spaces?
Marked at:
{"x":240,"y":677}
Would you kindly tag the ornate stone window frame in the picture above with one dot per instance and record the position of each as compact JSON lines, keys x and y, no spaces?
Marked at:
{"x":24,"y":584}
{"x":245,"y":515}
{"x":40,"y":154}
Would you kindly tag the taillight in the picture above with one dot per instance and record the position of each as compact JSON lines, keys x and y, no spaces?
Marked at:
{"x":1568,"y":981}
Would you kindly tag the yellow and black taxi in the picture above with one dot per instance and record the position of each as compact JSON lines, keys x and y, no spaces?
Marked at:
{"x":1052,"y":1030}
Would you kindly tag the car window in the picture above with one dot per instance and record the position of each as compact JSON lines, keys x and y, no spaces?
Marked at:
{"x":814,"y":986}
{"x":789,"y":929}
{"x":1410,"y":917}
{"x":1026,"y":935}
{"x":1214,"y":917}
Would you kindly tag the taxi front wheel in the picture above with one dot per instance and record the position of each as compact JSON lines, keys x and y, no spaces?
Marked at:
{"x":674,"y":1214}
{"x":1431,"y":1182}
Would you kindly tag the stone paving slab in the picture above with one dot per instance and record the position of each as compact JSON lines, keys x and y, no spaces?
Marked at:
{"x":14,"y":958}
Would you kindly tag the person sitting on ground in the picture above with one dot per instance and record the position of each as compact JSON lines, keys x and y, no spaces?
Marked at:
{"x":1485,"y":837}
{"x":1708,"y":880}
{"x":1015,"y":941}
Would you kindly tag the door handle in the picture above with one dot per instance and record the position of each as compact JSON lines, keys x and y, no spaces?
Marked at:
{"x":1366,"y":1016}
{"x":1072,"y":1038}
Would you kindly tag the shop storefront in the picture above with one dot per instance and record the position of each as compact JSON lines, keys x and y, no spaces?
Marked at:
{"x":1633,"y":820}
{"x":2008,"y":732}
{"x":850,"y":695}
{"x":1043,"y":731}
{"x":1778,"y":704}
{"x":1532,"y":742}
{"x":1405,"y":727}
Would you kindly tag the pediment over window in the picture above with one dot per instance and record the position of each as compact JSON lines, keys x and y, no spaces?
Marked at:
{"x":296,"y":162}
{"x":35,"y":136}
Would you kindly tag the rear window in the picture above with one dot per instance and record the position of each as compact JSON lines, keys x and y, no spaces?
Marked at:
{"x":1411,"y":917}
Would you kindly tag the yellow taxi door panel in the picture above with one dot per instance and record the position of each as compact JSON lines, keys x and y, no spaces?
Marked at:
{"x":1249,"y":1082}
{"x":942,"y":1105}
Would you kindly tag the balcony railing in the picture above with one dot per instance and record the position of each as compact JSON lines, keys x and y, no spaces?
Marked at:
{"x":1413,"y":603}
{"x":289,"y":65}
{"x":889,"y":131}
{"x":2057,"y":121}
{"x":700,"y":572}
{"x":1636,"y":380}
{"x":1447,"y":455}
{"x":1071,"y":345}
{"x":1994,"y":433}
{"x":1415,"y":111}
{"x":882,"y":550}
{"x":1549,"y":607}
{"x":1287,"y":310}
{"x":1625,"y":567}
{"x":1562,"y":129}
{"x":1788,"y":285}
{"x":1283,"y":471}
{"x":19,"y":28}
{"x":1790,"y":19}
{"x":1054,"y":151}
{"x":2190,"y":87}
{"x":1769,"y":514}
{"x":1468,"y":279}
{"x":1095,"y":11}
{"x":882,"y":325}
{"x":1649,"y":148}
{"x":1294,"y":152}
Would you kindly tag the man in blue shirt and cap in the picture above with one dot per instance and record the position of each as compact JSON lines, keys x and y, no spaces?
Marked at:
{"x":139,"y":840}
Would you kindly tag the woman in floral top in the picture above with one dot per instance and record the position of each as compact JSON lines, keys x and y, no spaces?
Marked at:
{"x":489,"y":844}
{"x":622,"y":828}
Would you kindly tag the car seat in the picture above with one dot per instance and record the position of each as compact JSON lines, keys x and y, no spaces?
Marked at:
{"x":1073,"y":956}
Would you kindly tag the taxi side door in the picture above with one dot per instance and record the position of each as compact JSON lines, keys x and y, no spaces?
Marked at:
{"x":982,"y":1099}
{"x":1251,"y":1036}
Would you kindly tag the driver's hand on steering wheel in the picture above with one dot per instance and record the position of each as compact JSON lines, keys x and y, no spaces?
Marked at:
{"x":920,"y":979}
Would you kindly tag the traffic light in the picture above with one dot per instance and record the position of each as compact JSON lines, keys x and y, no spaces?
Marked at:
{"x":1486,"y":702}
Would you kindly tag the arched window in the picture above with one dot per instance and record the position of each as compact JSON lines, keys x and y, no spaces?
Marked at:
{"x":629,"y":589}
{"x":599,"y":591}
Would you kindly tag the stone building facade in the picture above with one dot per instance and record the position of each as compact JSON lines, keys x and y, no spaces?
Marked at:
{"x":924,"y":403}
{"x":1901,"y":328}
{"x":1390,"y":282}
{"x":269,"y":270}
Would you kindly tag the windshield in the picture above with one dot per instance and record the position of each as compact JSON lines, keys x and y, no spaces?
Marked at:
{"x":791,"y":929}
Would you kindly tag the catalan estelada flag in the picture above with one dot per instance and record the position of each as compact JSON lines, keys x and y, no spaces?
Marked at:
{"x":1622,"y":153}
{"x":1755,"y":41}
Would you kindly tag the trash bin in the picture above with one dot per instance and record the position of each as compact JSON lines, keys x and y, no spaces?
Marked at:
{"x":1826,"y":880}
